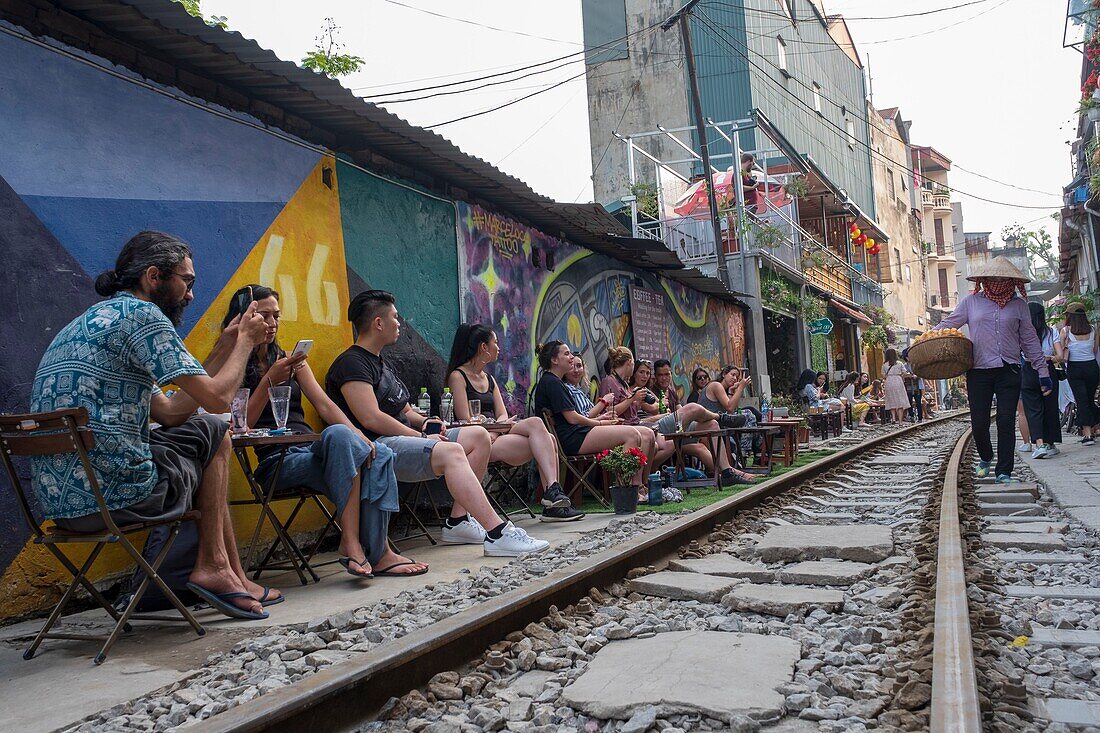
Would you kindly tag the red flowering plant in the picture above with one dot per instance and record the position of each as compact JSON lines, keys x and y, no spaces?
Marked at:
{"x":622,"y":463}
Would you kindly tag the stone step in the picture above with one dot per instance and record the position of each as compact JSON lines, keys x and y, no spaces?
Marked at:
{"x":1030,"y":527}
{"x":683,"y":586}
{"x":1027,"y":487}
{"x":825,"y":572}
{"x":862,"y":543}
{"x":781,"y":600}
{"x":1020,"y":510}
{"x":1024,"y":541}
{"x":1039,"y":558}
{"x":1068,"y":712}
{"x":1007,"y":497}
{"x":1067,"y":592}
{"x":1070,"y":638}
{"x":725,"y":566}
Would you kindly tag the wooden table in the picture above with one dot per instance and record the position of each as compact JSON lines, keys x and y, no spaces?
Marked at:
{"x":299,"y":561}
{"x":790,"y":437}
{"x":768,"y":433}
{"x":713,"y":445}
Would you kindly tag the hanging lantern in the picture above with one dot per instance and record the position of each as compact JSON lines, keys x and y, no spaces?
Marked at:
{"x":855,"y":232}
{"x":860,"y":239}
{"x":875,"y":250}
{"x":869,"y":243}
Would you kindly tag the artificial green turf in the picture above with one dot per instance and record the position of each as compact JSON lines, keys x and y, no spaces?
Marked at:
{"x":699,"y":498}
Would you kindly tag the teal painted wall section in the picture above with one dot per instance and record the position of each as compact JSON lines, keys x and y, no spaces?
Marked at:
{"x":401,"y":241}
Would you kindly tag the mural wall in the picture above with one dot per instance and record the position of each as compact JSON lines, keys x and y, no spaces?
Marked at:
{"x":255,"y":207}
{"x":532,"y":288}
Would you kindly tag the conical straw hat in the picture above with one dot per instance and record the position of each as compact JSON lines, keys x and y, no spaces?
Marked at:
{"x":997,"y":267}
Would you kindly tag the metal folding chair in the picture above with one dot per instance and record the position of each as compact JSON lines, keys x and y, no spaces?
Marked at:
{"x":410,"y":502}
{"x":66,"y":432}
{"x":580,"y":467}
{"x":501,"y":490}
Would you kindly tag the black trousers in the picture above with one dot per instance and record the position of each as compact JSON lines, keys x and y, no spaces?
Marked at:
{"x":982,"y":385}
{"x":1083,"y":377}
{"x":1044,"y":419}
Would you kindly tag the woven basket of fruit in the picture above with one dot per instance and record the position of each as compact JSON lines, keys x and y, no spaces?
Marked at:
{"x":941,"y":354}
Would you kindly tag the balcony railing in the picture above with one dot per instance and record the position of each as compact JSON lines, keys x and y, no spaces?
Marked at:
{"x":927,"y":199}
{"x":943,"y":301}
{"x":941,"y":202}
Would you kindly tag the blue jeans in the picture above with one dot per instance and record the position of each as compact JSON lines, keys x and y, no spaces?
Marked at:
{"x":329,"y":466}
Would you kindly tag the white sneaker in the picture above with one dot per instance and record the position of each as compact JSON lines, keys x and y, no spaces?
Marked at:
{"x":514,"y":542}
{"x":1025,"y":447}
{"x":1041,"y":451}
{"x":469,"y":532}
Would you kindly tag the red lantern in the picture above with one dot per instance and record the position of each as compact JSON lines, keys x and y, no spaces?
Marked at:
{"x":855,"y":232}
{"x":875,"y":250}
{"x":861,"y":239}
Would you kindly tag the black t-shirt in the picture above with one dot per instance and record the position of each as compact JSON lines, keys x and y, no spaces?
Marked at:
{"x":296,"y":418}
{"x":359,"y":365}
{"x":552,"y":394}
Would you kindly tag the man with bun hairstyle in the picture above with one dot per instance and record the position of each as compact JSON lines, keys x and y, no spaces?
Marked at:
{"x":113,"y":360}
{"x":375,"y":399}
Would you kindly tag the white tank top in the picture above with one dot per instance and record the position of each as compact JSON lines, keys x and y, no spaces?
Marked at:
{"x":1080,"y":350}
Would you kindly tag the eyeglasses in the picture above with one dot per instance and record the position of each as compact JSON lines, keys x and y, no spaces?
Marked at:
{"x":188,"y":280}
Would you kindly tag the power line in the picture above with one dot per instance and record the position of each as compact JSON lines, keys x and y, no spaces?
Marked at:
{"x":933,"y":11}
{"x":509,"y":103}
{"x":481,"y":25}
{"x":537,"y":129}
{"x":722,"y":36}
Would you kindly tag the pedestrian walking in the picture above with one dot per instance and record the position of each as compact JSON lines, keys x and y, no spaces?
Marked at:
{"x":897,"y":399}
{"x":1041,"y":411}
{"x":1076,"y":347}
{"x":1000,"y":328}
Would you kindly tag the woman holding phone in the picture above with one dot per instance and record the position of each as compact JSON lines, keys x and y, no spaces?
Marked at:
{"x":474,"y":348}
{"x":355,"y":474}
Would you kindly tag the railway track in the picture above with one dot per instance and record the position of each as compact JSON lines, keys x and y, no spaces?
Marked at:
{"x":882,"y":588}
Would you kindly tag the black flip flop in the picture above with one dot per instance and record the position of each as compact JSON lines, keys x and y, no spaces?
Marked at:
{"x":347,"y":561}
{"x":386,"y":570}
{"x":265,"y":601}
{"x":222,"y":602}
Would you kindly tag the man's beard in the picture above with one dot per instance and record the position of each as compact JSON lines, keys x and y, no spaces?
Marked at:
{"x":162,"y":298}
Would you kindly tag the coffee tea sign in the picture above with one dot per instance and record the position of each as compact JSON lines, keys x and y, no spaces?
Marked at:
{"x":647,"y":318}
{"x":821,"y":327}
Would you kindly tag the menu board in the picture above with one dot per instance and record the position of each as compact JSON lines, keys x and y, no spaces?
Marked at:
{"x":647,"y":318}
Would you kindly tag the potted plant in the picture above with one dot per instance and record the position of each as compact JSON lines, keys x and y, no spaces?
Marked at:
{"x":798,"y":187}
{"x":769,"y":235}
{"x":621,"y":464}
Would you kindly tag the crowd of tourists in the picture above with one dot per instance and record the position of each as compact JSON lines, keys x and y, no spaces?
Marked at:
{"x":158,"y":454}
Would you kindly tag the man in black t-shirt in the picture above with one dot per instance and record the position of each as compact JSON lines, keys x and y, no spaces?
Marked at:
{"x":376,"y":400}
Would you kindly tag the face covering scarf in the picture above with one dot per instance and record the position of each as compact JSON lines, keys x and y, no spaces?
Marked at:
{"x":999,"y":290}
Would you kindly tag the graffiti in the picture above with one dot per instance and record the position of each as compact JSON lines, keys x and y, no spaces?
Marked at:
{"x":582,"y":300}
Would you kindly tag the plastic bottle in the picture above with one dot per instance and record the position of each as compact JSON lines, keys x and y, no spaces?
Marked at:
{"x":424,"y":402}
{"x":447,"y":406}
{"x":764,"y":408}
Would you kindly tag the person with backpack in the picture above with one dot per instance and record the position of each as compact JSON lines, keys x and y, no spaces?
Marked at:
{"x":1076,"y":348}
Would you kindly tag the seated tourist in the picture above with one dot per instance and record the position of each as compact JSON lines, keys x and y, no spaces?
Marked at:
{"x":576,"y":380}
{"x":700,"y":378}
{"x":475,"y":347}
{"x":667,"y":399}
{"x":811,"y":388}
{"x":847,"y":391}
{"x":113,"y":360}
{"x":618,"y":373}
{"x":579,"y":434}
{"x":368,"y":391}
{"x":355,"y":474}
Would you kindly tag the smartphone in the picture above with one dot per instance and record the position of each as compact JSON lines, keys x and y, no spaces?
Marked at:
{"x":433,"y":427}
{"x":302,"y":347}
{"x":244,"y":298}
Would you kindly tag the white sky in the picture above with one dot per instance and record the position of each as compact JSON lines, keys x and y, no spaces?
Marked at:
{"x":995,"y":94}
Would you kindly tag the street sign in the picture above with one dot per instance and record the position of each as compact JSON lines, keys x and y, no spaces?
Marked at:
{"x":821,"y":327}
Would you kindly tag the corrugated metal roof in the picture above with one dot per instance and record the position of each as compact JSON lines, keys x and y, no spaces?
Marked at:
{"x":167,"y":33}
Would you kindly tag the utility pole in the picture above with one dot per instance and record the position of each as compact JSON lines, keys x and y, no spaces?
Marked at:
{"x":681,"y":17}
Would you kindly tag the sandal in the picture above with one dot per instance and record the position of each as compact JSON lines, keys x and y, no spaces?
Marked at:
{"x":347,"y":562}
{"x":266,"y":600}
{"x":386,"y":570}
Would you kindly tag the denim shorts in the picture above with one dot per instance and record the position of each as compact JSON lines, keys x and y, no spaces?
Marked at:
{"x":412,"y":457}
{"x":667,"y":426}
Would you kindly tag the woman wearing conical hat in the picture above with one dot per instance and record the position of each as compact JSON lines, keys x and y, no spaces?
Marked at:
{"x":1001,"y":329}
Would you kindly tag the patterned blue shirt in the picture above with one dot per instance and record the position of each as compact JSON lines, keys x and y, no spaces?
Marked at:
{"x":108,"y":360}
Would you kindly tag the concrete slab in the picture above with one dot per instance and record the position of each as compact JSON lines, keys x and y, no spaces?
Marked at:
{"x":1024,"y":541}
{"x":1020,"y":510}
{"x":725,"y":566}
{"x":1082,"y":495}
{"x":831,"y":516}
{"x":1040,"y":558}
{"x":684,"y":586}
{"x":1069,"y":638}
{"x":781,"y":600}
{"x":1027,"y":487}
{"x":862,"y":543}
{"x":1068,"y":712}
{"x":905,"y":459}
{"x":1086,"y":515}
{"x":1007,"y":497}
{"x":1021,"y":519}
{"x":825,"y":572}
{"x":1066,"y":592}
{"x":665,"y":671}
{"x":1032,"y":527}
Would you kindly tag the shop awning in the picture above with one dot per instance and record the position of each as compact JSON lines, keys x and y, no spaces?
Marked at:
{"x":859,"y":316}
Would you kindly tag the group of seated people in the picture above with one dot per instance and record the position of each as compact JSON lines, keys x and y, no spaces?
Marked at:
{"x":857,"y":389}
{"x":114,"y":359}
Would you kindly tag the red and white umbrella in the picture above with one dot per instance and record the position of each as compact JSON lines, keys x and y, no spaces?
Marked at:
{"x":694,"y":202}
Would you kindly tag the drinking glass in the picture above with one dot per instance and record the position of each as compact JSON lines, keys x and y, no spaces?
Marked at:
{"x":475,"y":411}
{"x":238,"y":410}
{"x":280,"y":404}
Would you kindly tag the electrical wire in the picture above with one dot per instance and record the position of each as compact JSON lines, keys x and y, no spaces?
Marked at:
{"x":538,"y":129}
{"x":481,"y":25}
{"x":783,"y":15}
{"x":509,"y":103}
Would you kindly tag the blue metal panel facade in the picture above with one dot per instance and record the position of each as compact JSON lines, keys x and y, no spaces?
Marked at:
{"x":737,"y":47}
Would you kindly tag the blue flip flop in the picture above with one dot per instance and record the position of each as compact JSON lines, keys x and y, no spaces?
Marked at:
{"x":222,"y":602}
{"x":347,"y":562}
{"x":265,"y":601}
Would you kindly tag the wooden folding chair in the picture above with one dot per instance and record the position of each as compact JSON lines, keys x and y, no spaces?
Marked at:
{"x":580,"y":467}
{"x":66,"y":432}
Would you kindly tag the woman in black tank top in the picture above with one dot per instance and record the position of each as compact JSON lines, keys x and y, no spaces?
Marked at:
{"x":475,"y":347}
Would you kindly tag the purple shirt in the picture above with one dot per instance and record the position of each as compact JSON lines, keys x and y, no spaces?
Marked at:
{"x":1000,"y":335}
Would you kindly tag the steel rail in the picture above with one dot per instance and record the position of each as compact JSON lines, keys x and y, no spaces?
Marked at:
{"x":955,"y":707}
{"x":342,"y":696}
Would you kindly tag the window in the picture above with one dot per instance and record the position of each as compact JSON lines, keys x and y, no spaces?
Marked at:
{"x":893,"y":190}
{"x":850,"y":127}
{"x":817,"y":97}
{"x":781,"y":45}
{"x":897,"y":262}
{"x":908,"y":274}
